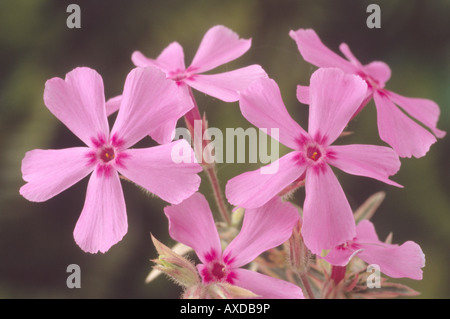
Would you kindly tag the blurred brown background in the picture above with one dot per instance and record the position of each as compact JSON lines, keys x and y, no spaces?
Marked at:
{"x":36,"y":243}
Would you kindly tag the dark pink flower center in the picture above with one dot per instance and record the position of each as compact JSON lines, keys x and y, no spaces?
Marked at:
{"x":313,"y":153}
{"x":218,"y":271}
{"x":107,"y":154}
{"x":351,"y":244}
{"x":180,"y":75}
{"x":371,"y":81}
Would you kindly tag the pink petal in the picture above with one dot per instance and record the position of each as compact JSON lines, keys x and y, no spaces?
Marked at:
{"x":394,"y":261}
{"x":49,"y":172}
{"x":192,"y":224}
{"x":345,"y":49}
{"x":367,"y":99}
{"x":219,"y":46}
{"x":327,"y":216}
{"x":163,"y":133}
{"x":424,"y":110}
{"x":379,"y":71}
{"x":103,"y":221}
{"x":334,"y":98}
{"x":263,"y":228}
{"x":303,"y":94}
{"x":226,"y":86}
{"x":266,"y":287}
{"x":262,"y":105}
{"x":170,"y":59}
{"x":156,"y":170}
{"x":373,"y":161}
{"x":113,"y":104}
{"x":79,"y":102}
{"x":341,"y":256}
{"x":140,"y":60}
{"x":405,"y":136}
{"x":365,"y":232}
{"x":253,"y":189}
{"x":315,"y":52}
{"x":148,"y":101}
{"x":403,"y":261}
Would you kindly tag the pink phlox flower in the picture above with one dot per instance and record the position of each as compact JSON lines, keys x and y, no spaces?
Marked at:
{"x":406,"y":260}
{"x":192,"y":224}
{"x":334,"y":97}
{"x":219,"y":45}
{"x":396,"y":128}
{"x":78,"y":102}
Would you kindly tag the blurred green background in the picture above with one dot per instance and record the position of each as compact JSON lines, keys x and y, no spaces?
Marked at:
{"x":36,"y":243}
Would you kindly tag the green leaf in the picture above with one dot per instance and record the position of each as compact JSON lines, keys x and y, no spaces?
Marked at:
{"x":387,"y":290}
{"x":368,"y":208}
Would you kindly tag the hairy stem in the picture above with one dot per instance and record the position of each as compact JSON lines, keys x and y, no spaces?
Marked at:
{"x":214,"y":181}
{"x":306,"y":285}
{"x":210,"y":168}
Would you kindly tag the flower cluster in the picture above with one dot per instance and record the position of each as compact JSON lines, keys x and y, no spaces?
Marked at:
{"x":268,"y":247}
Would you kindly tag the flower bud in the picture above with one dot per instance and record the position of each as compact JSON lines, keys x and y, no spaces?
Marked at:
{"x":299,"y":255}
{"x":175,"y":266}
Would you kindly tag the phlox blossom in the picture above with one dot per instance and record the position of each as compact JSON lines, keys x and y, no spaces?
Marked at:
{"x":78,"y":101}
{"x":192,"y":224}
{"x":406,"y":260}
{"x":219,"y":45}
{"x":334,"y":97}
{"x":396,"y":128}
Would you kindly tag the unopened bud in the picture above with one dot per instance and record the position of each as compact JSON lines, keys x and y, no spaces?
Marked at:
{"x":299,"y":255}
{"x":175,"y":266}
